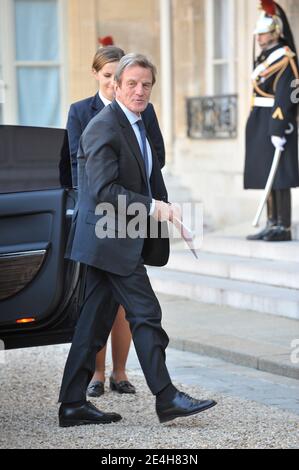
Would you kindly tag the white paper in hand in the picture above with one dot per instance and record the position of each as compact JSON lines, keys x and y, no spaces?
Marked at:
{"x":186,"y":234}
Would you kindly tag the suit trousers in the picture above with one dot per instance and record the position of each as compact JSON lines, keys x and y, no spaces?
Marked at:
{"x":104,"y":292}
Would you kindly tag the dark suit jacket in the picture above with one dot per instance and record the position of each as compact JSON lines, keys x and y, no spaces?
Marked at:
{"x":113,"y":166}
{"x":83,"y":111}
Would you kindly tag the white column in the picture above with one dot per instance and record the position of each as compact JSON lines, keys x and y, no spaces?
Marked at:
{"x":209,"y":47}
{"x":166,"y":71}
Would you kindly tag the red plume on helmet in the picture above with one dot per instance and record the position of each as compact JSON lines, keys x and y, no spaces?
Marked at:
{"x":269,"y":7}
{"x":272,"y":8}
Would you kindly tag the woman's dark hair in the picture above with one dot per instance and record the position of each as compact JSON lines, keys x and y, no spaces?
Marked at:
{"x":105,"y":55}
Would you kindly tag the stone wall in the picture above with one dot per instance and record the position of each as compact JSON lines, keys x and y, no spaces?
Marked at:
{"x":188,"y":57}
{"x":81,"y":46}
{"x":133,"y":24}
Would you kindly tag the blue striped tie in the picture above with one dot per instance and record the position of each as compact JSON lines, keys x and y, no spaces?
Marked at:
{"x":144,"y":152}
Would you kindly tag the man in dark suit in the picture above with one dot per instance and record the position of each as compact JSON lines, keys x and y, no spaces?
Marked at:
{"x":104,"y":66}
{"x":83,"y":111}
{"x":122,"y":177}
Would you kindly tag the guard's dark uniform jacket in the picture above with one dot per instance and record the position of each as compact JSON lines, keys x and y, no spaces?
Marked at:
{"x":273,"y":113}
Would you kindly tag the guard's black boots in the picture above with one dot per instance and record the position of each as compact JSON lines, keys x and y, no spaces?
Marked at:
{"x":281,"y":232}
{"x":271,"y":219}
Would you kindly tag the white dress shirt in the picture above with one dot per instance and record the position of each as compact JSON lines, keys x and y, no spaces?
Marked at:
{"x":105,"y":101}
{"x":133,"y":118}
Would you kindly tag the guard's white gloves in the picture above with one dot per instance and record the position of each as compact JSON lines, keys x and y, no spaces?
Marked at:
{"x":278,"y":142}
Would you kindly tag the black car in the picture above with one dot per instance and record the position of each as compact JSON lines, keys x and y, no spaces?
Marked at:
{"x":40,"y":291}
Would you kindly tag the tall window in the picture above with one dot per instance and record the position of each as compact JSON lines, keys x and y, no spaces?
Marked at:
{"x":32,"y":66}
{"x":221,"y":47}
{"x":37,"y":62}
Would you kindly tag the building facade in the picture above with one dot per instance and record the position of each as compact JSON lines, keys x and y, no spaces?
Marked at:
{"x":203,"y":51}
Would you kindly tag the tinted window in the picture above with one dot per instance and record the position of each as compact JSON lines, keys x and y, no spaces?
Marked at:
{"x":33,"y":158}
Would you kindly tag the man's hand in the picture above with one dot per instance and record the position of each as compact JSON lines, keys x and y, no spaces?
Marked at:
{"x":278,"y":142}
{"x":162,"y":211}
{"x":176,"y":214}
{"x":167,"y":212}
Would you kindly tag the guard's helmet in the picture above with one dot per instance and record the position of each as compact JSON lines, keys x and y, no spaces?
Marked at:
{"x":269,"y":24}
{"x":273,"y":18}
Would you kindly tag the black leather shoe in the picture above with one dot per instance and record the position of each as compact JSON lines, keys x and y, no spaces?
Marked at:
{"x":95,"y":389}
{"x":122,"y":387}
{"x":260,"y":235}
{"x":278,"y":234}
{"x":87,"y":413}
{"x":181,"y":405}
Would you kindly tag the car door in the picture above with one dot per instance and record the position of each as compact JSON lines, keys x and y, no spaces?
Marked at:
{"x":39,"y":289}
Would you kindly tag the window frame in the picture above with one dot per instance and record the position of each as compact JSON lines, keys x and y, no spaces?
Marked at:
{"x":231,"y":61}
{"x":10,"y":64}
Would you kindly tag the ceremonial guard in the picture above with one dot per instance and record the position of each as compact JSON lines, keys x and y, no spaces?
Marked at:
{"x":272,"y":123}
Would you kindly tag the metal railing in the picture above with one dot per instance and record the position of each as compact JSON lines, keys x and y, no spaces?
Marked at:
{"x":212,"y":117}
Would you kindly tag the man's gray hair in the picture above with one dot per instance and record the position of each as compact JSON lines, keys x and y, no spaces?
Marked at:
{"x":130,"y":60}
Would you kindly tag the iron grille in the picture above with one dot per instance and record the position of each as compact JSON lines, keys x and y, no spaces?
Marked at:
{"x":212,"y":117}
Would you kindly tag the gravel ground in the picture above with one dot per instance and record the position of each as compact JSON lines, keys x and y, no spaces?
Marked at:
{"x":30,"y":381}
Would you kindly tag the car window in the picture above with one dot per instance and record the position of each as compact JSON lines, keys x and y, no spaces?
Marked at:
{"x":33,"y":158}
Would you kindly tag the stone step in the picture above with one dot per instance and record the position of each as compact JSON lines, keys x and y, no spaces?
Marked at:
{"x":244,"y":337}
{"x":246,"y":228}
{"x":216,"y":290}
{"x":262,"y":271}
{"x":239,"y":246}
